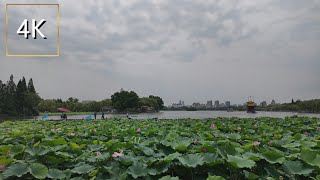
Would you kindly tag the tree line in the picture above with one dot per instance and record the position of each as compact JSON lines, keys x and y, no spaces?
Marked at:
{"x":22,"y":99}
{"x":129,"y":101}
{"x":308,"y":106}
{"x":123,"y":101}
{"x":18,"y":99}
{"x":73,"y":104}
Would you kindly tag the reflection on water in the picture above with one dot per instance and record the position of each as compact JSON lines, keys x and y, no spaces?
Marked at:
{"x":178,"y":115}
{"x":194,"y":115}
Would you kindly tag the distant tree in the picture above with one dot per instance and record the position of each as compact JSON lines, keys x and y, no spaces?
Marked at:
{"x":59,"y":101}
{"x":31,"y":102}
{"x":159,"y":101}
{"x":31,"y":86}
{"x":72,"y":100}
{"x":2,"y":97}
{"x":124,"y":100}
{"x":106,"y":102}
{"x":24,"y":84}
{"x":10,"y":97}
{"x":20,"y":98}
{"x":149,"y":102}
{"x":48,"y":105}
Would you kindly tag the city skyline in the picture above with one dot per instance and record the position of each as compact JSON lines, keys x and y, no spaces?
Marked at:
{"x":209,"y":104}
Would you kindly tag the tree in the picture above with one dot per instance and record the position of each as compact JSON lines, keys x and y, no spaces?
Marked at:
{"x":31,"y":86}
{"x":20,"y":98}
{"x":125,"y":100}
{"x":159,"y":101}
{"x":148,"y":102}
{"x":72,"y":100}
{"x":48,"y":105}
{"x":31,"y":102}
{"x":10,"y":97}
{"x":2,"y":96}
{"x":16,"y":99}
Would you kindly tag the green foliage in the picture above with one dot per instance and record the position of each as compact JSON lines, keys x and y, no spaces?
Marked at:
{"x":297,"y":168}
{"x":191,"y":160}
{"x":138,"y":170}
{"x":18,"y":99}
{"x":82,"y":168}
{"x":17,"y":169}
{"x":215,"y":178}
{"x":240,"y":162}
{"x":56,"y":174}
{"x":125,"y":100}
{"x":38,"y":170}
{"x":165,"y":149}
{"x":51,"y":105}
{"x":309,"y":106}
{"x":273,"y":157}
{"x":311,"y":157}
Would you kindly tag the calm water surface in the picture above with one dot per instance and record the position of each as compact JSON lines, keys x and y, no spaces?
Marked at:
{"x":194,"y":115}
{"x":180,"y":114}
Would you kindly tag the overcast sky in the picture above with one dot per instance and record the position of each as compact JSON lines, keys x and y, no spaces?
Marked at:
{"x":193,"y":50}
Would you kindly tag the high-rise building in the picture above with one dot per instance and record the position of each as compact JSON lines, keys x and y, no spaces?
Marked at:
{"x":196,"y":105}
{"x":209,"y":105}
{"x":178,"y":105}
{"x":273,"y":102}
{"x":216,"y":104}
{"x":263,"y":103}
{"x":228,"y":104}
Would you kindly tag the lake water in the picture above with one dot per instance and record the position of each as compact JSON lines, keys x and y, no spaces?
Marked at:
{"x":194,"y":115}
{"x":181,"y":114}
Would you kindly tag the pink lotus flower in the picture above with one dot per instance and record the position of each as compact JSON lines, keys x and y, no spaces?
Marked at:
{"x":72,"y":134}
{"x":138,"y":130}
{"x":2,"y":168}
{"x":318,"y":128}
{"x":306,"y":133}
{"x":256,"y":143}
{"x":270,"y":143}
{"x":98,"y":153}
{"x":213,"y":126}
{"x":116,"y":154}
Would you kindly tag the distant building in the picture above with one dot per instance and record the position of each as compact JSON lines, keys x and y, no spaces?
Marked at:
{"x":263,"y":103}
{"x":209,"y":105}
{"x":273,"y":102}
{"x":228,"y":104}
{"x":222,"y":105}
{"x":196,"y":105}
{"x":178,"y":105}
{"x":216,"y":104}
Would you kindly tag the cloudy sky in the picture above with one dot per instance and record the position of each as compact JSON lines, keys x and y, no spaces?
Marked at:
{"x":193,"y":50}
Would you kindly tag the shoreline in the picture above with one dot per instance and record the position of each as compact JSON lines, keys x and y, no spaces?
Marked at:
{"x":99,"y":113}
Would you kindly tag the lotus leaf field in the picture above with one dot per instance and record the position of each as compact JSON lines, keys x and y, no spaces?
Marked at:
{"x":222,"y":148}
